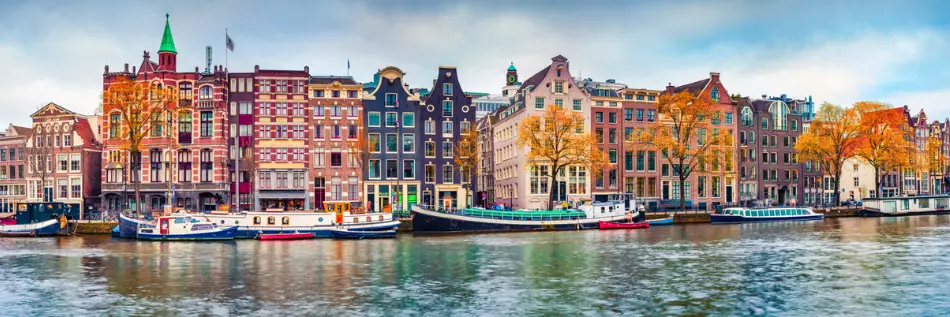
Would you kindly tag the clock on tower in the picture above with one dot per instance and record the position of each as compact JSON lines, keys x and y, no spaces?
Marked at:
{"x":512,"y":76}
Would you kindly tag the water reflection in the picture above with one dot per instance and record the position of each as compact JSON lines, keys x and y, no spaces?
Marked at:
{"x":832,"y":267}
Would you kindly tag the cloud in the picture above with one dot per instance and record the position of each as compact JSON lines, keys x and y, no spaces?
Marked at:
{"x":933,"y":102}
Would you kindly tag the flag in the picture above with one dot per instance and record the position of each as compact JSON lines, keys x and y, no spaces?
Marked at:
{"x":347,"y":63}
{"x":228,"y":42}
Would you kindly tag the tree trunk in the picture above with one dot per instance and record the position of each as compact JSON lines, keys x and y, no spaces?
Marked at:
{"x":878,"y":179}
{"x":551,"y":191}
{"x":837,"y":196}
{"x":682,"y":189}
{"x":135,"y":167}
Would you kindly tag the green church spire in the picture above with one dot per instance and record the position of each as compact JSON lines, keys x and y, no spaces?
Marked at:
{"x":168,"y":43}
{"x":512,"y":67}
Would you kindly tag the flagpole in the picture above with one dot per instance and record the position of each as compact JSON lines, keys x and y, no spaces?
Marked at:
{"x":237,"y":130}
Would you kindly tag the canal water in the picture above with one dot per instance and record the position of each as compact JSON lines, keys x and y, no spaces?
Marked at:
{"x":853,"y":266}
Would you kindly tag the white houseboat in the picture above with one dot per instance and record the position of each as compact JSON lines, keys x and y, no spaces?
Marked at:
{"x":906,"y":206}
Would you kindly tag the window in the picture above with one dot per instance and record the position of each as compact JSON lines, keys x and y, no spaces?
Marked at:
{"x":612,"y":136}
{"x":352,"y":186}
{"x":73,"y":162}
{"x":207,"y":167}
{"x":447,"y":174}
{"x":391,"y":100}
{"x":374,"y":169}
{"x":430,"y":149}
{"x":352,"y":94}
{"x":408,"y":169}
{"x":336,"y":157}
{"x":63,"y":189}
{"x":318,"y":93}
{"x":391,"y":119}
{"x":374,"y":142}
{"x":205,"y":93}
{"x":765,"y":123}
{"x":281,"y":179}
{"x":559,"y":87}
{"x":335,"y":93}
{"x":155,"y":158}
{"x":577,"y":105}
{"x":447,"y":150}
{"x":779,"y":112}
{"x":746,"y":117}
{"x":408,"y":119}
{"x":319,"y":157}
{"x":794,"y":125}
{"x":336,"y":132}
{"x":430,"y":173}
{"x":651,"y":98}
{"x":430,"y":127}
{"x":408,"y":143}
{"x":714,"y":94}
{"x":373,"y":118}
{"x":448,"y":127}
{"x":206,"y":124}
{"x":728,"y":118}
{"x":351,"y":131}
{"x":651,"y":115}
{"x":559,"y":103}
{"x":446,"y":108}
{"x":447,"y":89}
{"x":856,"y":182}
{"x":539,"y":103}
{"x":465,"y":127}
{"x":599,"y":117}
{"x":612,"y":155}
{"x":391,"y":143}
{"x":651,"y":161}
{"x":611,"y":117}
{"x":392,"y":169}
{"x":184,"y":166}
{"x":628,"y":114}
{"x":318,"y":131}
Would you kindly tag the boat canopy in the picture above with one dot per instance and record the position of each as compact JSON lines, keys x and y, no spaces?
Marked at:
{"x":568,"y":213}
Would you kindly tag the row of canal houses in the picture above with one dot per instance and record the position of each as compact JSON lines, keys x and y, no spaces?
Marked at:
{"x":281,"y":140}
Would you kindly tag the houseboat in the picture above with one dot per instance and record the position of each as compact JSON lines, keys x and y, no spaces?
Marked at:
{"x":336,"y":214}
{"x":186,"y":227}
{"x":740,"y":214}
{"x":129,"y":227}
{"x":905,"y":206}
{"x":429,"y":220}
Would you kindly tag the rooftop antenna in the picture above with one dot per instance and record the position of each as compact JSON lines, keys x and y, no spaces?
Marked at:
{"x":208,"y":59}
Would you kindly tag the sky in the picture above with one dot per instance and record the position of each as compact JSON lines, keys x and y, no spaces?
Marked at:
{"x":840,"y":52}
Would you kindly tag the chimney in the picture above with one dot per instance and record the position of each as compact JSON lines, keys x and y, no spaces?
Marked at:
{"x":306,"y":69}
{"x":196,"y":69}
{"x":257,"y":68}
{"x":714,"y":76}
{"x":126,"y":67}
{"x":133,"y":70}
{"x":669,"y":88}
{"x":107,"y":69}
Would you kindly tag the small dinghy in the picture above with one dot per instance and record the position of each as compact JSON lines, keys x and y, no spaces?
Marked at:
{"x":285,"y":236}
{"x":605,"y":225}
{"x":343,"y":233}
{"x":661,"y":221}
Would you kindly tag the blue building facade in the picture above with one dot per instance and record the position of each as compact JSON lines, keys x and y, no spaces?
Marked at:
{"x":392,"y":181}
{"x":447,"y":115}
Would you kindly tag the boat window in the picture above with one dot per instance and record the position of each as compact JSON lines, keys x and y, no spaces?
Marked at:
{"x":285,"y":220}
{"x":179,"y":220}
{"x":356,"y":220}
{"x":380,"y":217}
{"x":905,"y":204}
{"x":271,"y":220}
{"x":321,"y":219}
{"x":222,"y":221}
{"x":369,"y":219}
{"x":257,"y":220}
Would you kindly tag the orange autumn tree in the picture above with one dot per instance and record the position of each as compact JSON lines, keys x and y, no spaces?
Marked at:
{"x":885,"y":141}
{"x":467,"y":156}
{"x":556,"y":139}
{"x":833,"y":137}
{"x":686,"y":138}
{"x":142,"y":106}
{"x":361,"y":149}
{"x":932,"y":160}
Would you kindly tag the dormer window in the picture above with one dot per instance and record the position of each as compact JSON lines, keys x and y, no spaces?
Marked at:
{"x":559,"y":70}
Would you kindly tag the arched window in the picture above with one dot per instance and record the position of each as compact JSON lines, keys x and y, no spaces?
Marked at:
{"x":257,"y":220}
{"x":271,"y":220}
{"x":205,"y":93}
{"x":285,"y":220}
{"x":714,"y":94}
{"x":747,"y":117}
{"x":779,"y":111}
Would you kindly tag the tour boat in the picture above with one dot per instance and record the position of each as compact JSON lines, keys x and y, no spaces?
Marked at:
{"x":428,"y":220}
{"x":285,"y":236}
{"x":44,"y":228}
{"x":186,"y":227}
{"x":129,"y":227}
{"x":739,"y":214}
{"x":905,"y":206}
{"x":343,"y":233}
{"x":606,"y":225}
{"x":661,"y":221}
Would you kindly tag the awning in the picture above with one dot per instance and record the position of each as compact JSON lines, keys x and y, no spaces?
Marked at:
{"x":295,"y":194}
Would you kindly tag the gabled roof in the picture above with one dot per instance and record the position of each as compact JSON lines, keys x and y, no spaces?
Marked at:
{"x":535,"y":79}
{"x":21,"y":130}
{"x":85,"y":132}
{"x":694,"y":87}
{"x":168,"y":43}
{"x":51,"y":109}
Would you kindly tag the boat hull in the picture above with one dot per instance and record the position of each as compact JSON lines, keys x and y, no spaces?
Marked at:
{"x":46,"y":228}
{"x":347,"y":234}
{"x":220,"y":234}
{"x":250,"y":232}
{"x":285,"y":236}
{"x":425,"y":221}
{"x":719,"y":218}
{"x":129,"y":227}
{"x":613,"y":225}
{"x":661,"y":222}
